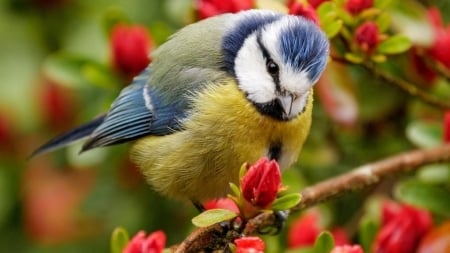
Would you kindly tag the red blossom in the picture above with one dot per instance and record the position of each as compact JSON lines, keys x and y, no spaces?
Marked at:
{"x":130,"y":46}
{"x":447,"y":126}
{"x":305,"y":230}
{"x":347,"y":249}
{"x":367,"y":36}
{"x":250,"y":244}
{"x":57,"y":104}
{"x":222,"y":203}
{"x":440,"y":49}
{"x":209,"y":8}
{"x":357,"y":6}
{"x":154,"y":243}
{"x":299,"y":9}
{"x":402,"y":228}
{"x":261,"y":183}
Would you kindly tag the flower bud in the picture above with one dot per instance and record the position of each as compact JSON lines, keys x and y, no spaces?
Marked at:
{"x":367,"y":36}
{"x":357,"y":6}
{"x":261,"y":183}
{"x":297,"y":8}
{"x":154,"y":243}
{"x":347,"y":249}
{"x":250,"y":244}
{"x":209,"y":8}
{"x":440,"y":50}
{"x":447,"y":126}
{"x":130,"y":47}
{"x":222,"y":203}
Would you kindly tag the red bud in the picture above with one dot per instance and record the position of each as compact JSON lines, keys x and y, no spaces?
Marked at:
{"x":297,"y":8}
{"x":250,"y":244}
{"x":261,"y":183}
{"x":447,"y":127}
{"x":209,"y":8}
{"x":154,"y":243}
{"x":356,"y":6}
{"x":367,"y":36}
{"x":347,"y":249}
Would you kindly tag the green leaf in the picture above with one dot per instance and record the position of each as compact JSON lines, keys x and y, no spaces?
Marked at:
{"x":378,"y":58}
{"x":424,"y":134}
{"x":324,"y":243}
{"x":213,"y":216}
{"x":333,"y":28}
{"x":431,"y":197}
{"x":383,"y":21}
{"x":394,"y":45}
{"x":243,"y":170}
{"x":382,"y":4}
{"x":326,"y":9}
{"x":74,"y":70}
{"x":435,"y":173}
{"x":287,"y":201}
{"x":235,"y":189}
{"x":353,"y":58}
{"x":368,"y":229}
{"x":119,"y":239}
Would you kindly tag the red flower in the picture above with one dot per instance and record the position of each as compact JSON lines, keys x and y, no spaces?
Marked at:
{"x":440,"y":49}
{"x":261,"y":183}
{"x":347,"y":249}
{"x":250,"y":244}
{"x":57,"y":104}
{"x":357,"y":6}
{"x":154,"y":243}
{"x":447,"y":127}
{"x":367,"y":36}
{"x":130,"y":47}
{"x":402,"y":228}
{"x":313,"y":3}
{"x":209,"y":8}
{"x":222,"y":203}
{"x":304,"y":232}
{"x":297,"y":8}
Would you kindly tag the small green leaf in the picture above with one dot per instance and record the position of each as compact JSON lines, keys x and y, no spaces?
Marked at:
{"x":435,"y":173}
{"x":378,"y":58}
{"x":368,"y":229}
{"x":287,"y":201}
{"x":369,"y":13}
{"x":353,"y":58}
{"x":394,"y":45}
{"x":382,"y":4}
{"x":324,"y":243}
{"x":431,"y":197}
{"x":100,"y":76}
{"x":383,"y":21}
{"x":119,"y":239}
{"x":235,"y":189}
{"x":243,"y":170}
{"x":424,"y":134}
{"x":213,"y":216}
{"x":326,"y":9}
{"x":333,"y":28}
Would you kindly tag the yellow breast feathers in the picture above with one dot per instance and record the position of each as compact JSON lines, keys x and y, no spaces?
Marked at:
{"x":224,"y":131}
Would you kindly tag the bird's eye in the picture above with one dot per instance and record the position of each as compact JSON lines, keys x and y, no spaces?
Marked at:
{"x":272,"y":67}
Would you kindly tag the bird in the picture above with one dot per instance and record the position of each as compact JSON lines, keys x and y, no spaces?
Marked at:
{"x":218,"y":93}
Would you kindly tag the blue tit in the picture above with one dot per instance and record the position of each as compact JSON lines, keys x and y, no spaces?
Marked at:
{"x":220,"y":92}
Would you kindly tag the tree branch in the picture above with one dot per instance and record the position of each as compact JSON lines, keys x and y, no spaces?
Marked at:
{"x":358,"y":178}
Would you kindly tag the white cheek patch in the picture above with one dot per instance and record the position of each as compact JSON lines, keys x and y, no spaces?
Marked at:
{"x":294,"y":81}
{"x":250,"y":69}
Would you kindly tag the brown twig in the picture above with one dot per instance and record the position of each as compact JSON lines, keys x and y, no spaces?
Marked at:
{"x":404,"y":85}
{"x":361,"y":177}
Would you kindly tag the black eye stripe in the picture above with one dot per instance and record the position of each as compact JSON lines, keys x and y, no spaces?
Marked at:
{"x":271,"y":67}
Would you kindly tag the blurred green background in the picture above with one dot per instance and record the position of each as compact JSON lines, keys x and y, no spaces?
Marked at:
{"x":55,"y":73}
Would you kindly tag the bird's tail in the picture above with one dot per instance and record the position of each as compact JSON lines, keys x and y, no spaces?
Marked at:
{"x":69,"y":137}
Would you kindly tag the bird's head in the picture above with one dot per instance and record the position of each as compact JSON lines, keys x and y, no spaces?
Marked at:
{"x":276,"y":60}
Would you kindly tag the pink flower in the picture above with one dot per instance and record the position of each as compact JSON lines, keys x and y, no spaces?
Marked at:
{"x":440,"y":49}
{"x":297,"y":8}
{"x":261,"y":183}
{"x":154,"y":243}
{"x":447,"y":127}
{"x":250,"y":244}
{"x":357,"y":6}
{"x":209,"y":8}
{"x":402,"y":228}
{"x":222,"y":203}
{"x":367,"y":36}
{"x":347,"y":249}
{"x":130,"y":46}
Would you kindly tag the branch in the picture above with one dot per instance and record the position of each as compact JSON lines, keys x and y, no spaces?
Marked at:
{"x":404,"y":85}
{"x":359,"y":178}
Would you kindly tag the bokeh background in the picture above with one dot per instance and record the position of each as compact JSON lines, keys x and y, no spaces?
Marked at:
{"x":58,"y":70}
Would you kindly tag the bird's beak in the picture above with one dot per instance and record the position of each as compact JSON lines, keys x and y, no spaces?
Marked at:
{"x":286,"y":103}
